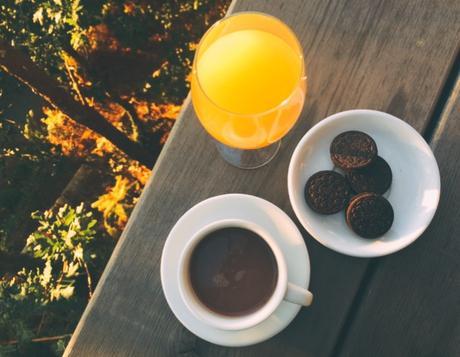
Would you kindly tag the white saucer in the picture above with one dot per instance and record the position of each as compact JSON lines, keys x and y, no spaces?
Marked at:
{"x":250,"y":208}
{"x":414,"y":192}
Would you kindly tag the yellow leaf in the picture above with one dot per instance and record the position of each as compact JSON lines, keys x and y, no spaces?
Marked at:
{"x":38,"y":16}
{"x":110,"y":204}
{"x":68,"y":238}
{"x":59,"y":292}
{"x":46,"y":273}
{"x":78,"y":253}
{"x":72,"y":270}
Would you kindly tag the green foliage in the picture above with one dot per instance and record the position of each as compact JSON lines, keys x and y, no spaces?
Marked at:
{"x":59,"y":347}
{"x":21,"y":170}
{"x":165,"y":30}
{"x":63,"y":242}
{"x":178,"y":26}
{"x":104,"y":52}
{"x":43,"y":27}
{"x":25,"y":158}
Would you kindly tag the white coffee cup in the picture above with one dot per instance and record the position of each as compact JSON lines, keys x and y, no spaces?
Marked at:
{"x":284,"y":290}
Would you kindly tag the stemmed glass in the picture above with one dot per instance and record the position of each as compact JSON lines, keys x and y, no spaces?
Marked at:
{"x":248,"y":86}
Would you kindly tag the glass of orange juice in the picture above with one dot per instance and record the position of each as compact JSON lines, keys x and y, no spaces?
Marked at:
{"x":248,"y":86}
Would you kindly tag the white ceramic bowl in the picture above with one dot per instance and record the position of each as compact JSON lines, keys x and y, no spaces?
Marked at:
{"x":414,"y":193}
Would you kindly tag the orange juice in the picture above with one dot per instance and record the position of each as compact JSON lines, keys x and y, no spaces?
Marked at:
{"x":248,"y":86}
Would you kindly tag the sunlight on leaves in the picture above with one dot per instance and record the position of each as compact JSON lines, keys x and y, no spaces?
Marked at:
{"x":111,"y":206}
{"x":38,"y":16}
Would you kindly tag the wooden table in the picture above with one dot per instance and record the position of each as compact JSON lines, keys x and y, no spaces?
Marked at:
{"x":397,"y":56}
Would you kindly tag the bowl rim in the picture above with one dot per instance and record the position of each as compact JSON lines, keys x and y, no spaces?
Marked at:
{"x":296,"y":157}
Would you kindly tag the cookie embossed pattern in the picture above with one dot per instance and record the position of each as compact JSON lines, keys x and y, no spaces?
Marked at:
{"x":375,"y":153}
{"x":353,"y":150}
{"x":368,"y":214}
{"x":327,"y":192}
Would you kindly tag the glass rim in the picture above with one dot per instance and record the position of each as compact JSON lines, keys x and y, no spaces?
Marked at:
{"x":280,"y":104}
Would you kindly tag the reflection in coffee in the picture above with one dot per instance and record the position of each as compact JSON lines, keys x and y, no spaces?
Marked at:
{"x":233,"y":271}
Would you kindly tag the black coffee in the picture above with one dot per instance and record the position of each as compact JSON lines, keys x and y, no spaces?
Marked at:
{"x":233,"y":271}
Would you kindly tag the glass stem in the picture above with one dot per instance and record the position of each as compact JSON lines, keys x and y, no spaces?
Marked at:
{"x":248,"y":159}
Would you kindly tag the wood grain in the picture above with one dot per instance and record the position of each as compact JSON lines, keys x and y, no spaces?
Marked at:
{"x":386,"y":55}
{"x":412,"y":305}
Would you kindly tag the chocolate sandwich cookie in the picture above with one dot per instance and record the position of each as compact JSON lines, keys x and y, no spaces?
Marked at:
{"x":369,"y":215}
{"x":327,"y":192}
{"x":353,"y":150}
{"x":375,"y":177}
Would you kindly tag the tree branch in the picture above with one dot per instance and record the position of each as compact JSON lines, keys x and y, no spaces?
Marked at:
{"x":15,"y":63}
{"x":88,"y":278}
{"x":74,"y":82}
{"x":39,"y":339}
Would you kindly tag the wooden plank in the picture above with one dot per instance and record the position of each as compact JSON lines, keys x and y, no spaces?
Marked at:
{"x":389,"y":55}
{"x":412,"y":305}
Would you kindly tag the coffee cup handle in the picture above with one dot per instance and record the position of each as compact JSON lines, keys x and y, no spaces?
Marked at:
{"x":298,"y":295}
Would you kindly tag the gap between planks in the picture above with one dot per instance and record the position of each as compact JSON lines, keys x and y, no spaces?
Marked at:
{"x":443,"y":107}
